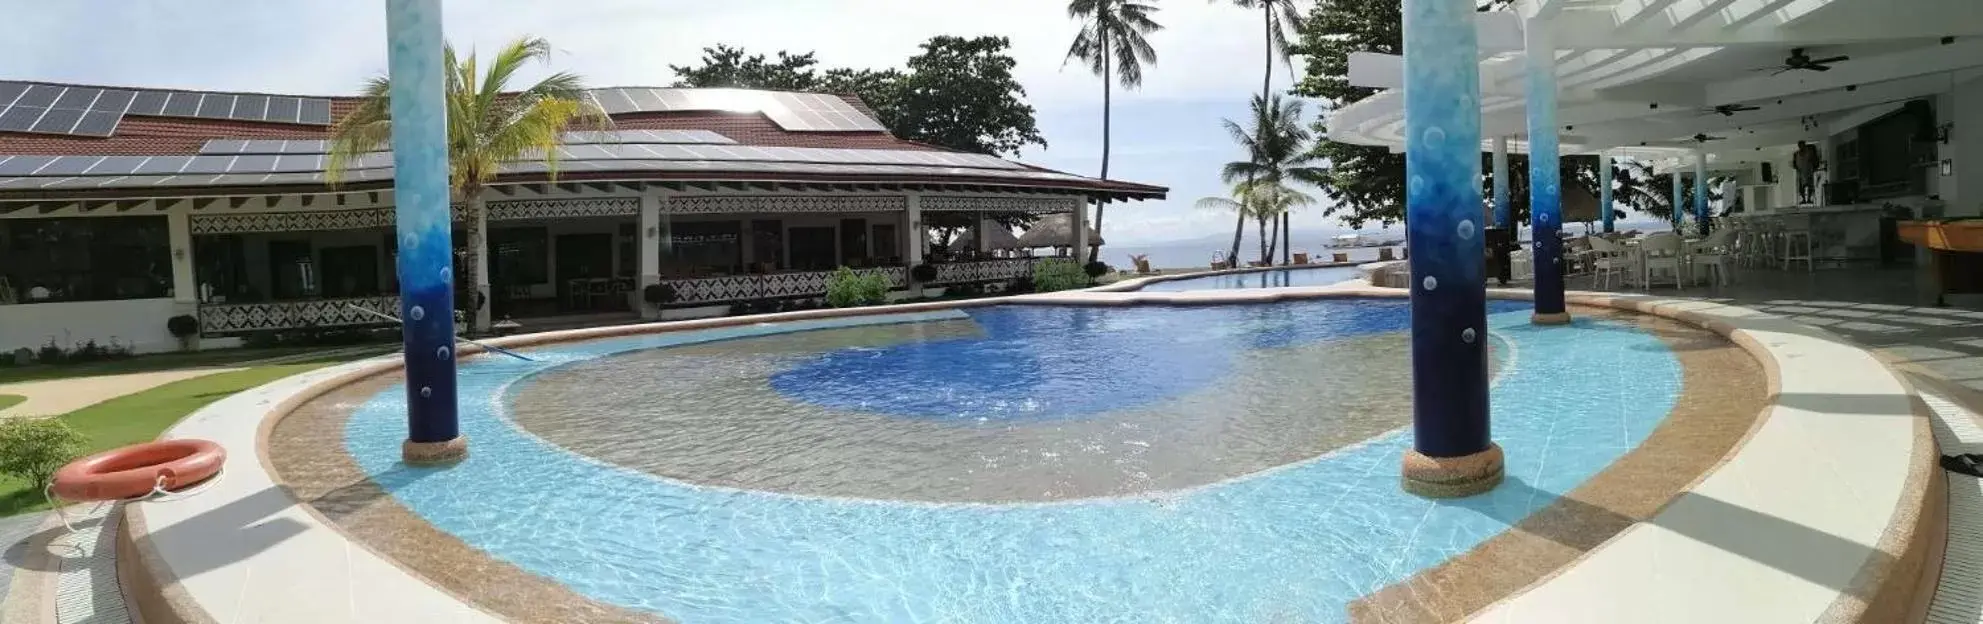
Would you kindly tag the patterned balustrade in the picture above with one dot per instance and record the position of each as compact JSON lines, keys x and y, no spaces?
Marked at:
{"x":708,"y":290}
{"x":226,"y":319}
{"x":983,"y":271}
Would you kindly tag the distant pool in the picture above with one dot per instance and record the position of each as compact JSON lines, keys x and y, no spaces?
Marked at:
{"x":1272,"y":278}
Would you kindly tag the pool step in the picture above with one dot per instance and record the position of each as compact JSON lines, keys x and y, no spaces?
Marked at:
{"x":1959,"y":594}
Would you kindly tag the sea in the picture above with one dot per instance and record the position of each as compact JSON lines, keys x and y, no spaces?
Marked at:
{"x":1199,"y":253}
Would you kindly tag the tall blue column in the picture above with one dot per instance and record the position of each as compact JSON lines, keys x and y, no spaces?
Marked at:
{"x":422,"y":218}
{"x":1545,"y":176}
{"x":1678,"y":207}
{"x":1701,"y":191}
{"x":1452,"y":452}
{"x":1504,"y":213}
{"x":1604,"y":173}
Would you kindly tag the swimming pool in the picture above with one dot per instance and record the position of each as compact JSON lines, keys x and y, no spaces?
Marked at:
{"x":1005,"y":464}
{"x":1270,"y":278}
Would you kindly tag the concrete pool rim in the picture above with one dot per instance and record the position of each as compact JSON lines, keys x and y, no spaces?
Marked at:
{"x":1878,"y":584}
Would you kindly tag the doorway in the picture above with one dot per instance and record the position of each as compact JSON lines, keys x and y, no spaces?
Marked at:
{"x":584,"y":270}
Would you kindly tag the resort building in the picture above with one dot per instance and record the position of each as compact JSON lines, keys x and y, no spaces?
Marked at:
{"x":121,"y":207}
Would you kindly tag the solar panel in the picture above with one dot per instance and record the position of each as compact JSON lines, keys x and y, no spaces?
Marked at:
{"x":39,"y":95}
{"x":19,"y":118}
{"x":253,"y":163}
{"x":149,"y":103}
{"x":117,"y":165}
{"x":215,"y":106}
{"x":114,"y":101}
{"x":283,"y":109}
{"x":24,"y":165}
{"x":163,"y":165}
{"x":58,"y":121}
{"x":300,"y":163}
{"x":251,"y":108}
{"x":98,"y":124}
{"x":315,"y":111}
{"x":9,"y":91}
{"x":77,"y":98}
{"x":182,"y":105}
{"x":69,"y":166}
{"x":208,"y":164}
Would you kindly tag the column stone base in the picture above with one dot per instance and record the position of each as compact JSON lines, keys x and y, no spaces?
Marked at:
{"x":434,"y":453}
{"x":1551,"y":318}
{"x":1452,"y":477}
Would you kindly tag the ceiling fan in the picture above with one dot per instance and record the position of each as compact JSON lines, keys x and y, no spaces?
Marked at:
{"x":1729,"y":110}
{"x":1799,"y":60}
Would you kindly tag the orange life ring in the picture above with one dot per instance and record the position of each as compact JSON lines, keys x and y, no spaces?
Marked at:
{"x":133,"y":471}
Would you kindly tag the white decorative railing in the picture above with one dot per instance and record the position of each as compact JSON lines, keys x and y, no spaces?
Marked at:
{"x":983,"y":271}
{"x":729,"y":288}
{"x":221,"y":319}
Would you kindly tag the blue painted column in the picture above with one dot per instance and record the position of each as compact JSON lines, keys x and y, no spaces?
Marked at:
{"x":1701,"y":191}
{"x":1678,"y":207}
{"x":423,"y":218}
{"x":1452,"y":453}
{"x":1604,"y":173}
{"x":1545,"y":176}
{"x":1504,"y":213}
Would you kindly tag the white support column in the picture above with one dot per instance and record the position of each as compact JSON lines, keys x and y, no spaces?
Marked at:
{"x":1080,"y":219}
{"x":916,"y":234}
{"x":978,"y":231}
{"x":179,"y":231}
{"x":650,"y":249}
{"x":1503,"y":211}
{"x":1604,"y":199}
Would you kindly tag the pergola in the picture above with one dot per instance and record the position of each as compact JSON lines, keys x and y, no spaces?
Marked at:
{"x":1685,"y":85}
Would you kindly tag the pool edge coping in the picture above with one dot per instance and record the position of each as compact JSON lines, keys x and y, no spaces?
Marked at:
{"x":1904,"y":527}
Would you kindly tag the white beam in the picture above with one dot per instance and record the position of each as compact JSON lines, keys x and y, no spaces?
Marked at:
{"x":1777,"y":23}
{"x":1859,"y":70}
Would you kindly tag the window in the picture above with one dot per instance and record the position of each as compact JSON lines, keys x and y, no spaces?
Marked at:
{"x":220,"y":268}
{"x":707,"y":247}
{"x":812,"y":249}
{"x":854,"y":242}
{"x":519,"y":256}
{"x":351,"y":271}
{"x":887,"y":246}
{"x":86,"y":258}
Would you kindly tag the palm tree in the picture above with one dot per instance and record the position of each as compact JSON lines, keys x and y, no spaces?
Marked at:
{"x":487,"y":126}
{"x":1277,"y":149}
{"x":1111,"y":43}
{"x":1264,"y":203}
{"x":1277,"y":18}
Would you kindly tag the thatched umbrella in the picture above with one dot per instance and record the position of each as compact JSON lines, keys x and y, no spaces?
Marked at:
{"x":1001,"y":238}
{"x":1056,"y":231}
{"x":1579,"y":206}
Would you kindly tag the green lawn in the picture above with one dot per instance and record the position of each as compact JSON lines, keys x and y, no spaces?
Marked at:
{"x":153,"y":362}
{"x":142,"y":417}
{"x":10,"y":400}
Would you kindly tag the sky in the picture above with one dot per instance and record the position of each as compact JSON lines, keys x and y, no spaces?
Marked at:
{"x":1167,"y":133}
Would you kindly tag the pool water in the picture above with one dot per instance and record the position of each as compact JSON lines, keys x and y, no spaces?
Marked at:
{"x":1012,"y":464}
{"x":1270,"y":278}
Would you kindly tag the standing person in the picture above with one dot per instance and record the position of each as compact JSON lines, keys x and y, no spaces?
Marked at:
{"x":1806,"y":163}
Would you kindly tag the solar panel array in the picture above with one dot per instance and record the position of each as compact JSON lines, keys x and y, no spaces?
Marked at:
{"x":313,"y":146}
{"x":96,"y":111}
{"x":802,"y":112}
{"x":289,"y":162}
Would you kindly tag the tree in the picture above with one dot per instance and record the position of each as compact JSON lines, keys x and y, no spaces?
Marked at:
{"x":488,"y":125}
{"x":1278,"y":153}
{"x":1365,"y":183}
{"x":1276,"y":18}
{"x":958,"y":93}
{"x":1111,"y":43}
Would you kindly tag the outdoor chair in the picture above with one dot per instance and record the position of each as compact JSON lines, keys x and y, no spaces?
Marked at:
{"x":1713,"y":252}
{"x":1661,"y":254}
{"x":1606,"y":259}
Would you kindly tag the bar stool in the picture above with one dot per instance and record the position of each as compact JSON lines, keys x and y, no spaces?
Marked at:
{"x":1795,"y":242}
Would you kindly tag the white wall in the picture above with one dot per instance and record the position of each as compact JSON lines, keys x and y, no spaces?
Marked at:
{"x":1963,"y":190}
{"x":139,"y":323}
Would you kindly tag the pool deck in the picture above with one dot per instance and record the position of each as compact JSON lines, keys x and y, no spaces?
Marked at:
{"x":1813,"y":518}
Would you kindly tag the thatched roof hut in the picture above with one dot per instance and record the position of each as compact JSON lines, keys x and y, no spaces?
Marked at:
{"x":1056,"y":231}
{"x":1001,"y":238}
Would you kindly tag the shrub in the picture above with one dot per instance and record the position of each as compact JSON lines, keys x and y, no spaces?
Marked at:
{"x":1020,"y":286}
{"x":658,"y":294}
{"x":50,"y":353}
{"x":1096,"y":268}
{"x":847,"y":289}
{"x":923,"y":272}
{"x":1058,"y":274}
{"x":183,"y":325}
{"x":34,"y":448}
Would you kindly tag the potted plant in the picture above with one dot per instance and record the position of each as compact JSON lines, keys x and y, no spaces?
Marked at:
{"x":186,"y":328}
{"x":658,"y":295}
{"x":923,"y":273}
